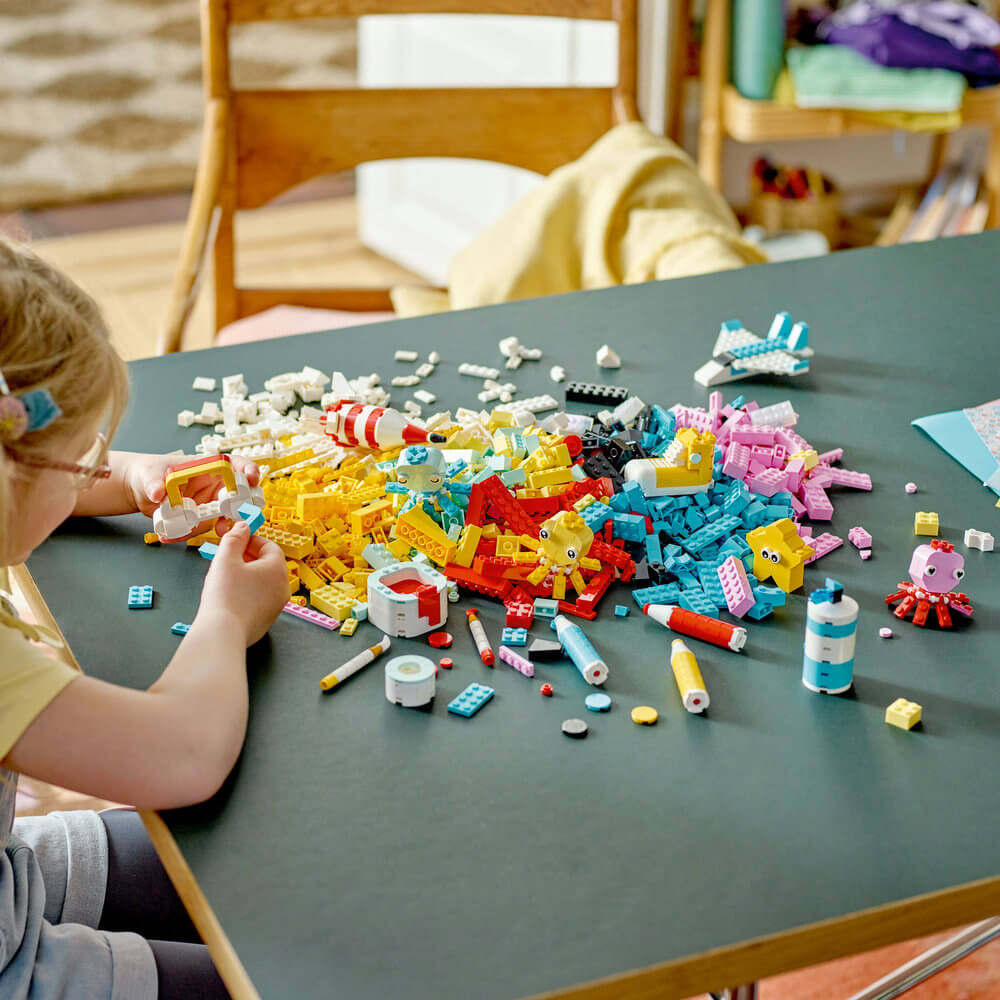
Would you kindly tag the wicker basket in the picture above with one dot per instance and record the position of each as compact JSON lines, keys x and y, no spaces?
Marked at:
{"x":819,"y":212}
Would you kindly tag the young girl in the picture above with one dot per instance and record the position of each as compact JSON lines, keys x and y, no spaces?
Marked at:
{"x":86,"y":910}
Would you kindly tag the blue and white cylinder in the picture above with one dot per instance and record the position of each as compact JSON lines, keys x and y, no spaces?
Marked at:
{"x":831,"y":632}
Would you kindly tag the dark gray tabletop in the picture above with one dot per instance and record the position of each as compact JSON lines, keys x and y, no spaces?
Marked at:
{"x":366,"y":851}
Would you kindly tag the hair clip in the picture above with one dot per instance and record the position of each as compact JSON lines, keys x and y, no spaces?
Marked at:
{"x":27,"y":411}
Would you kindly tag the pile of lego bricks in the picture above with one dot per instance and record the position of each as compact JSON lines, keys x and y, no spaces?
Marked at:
{"x":335,"y":512}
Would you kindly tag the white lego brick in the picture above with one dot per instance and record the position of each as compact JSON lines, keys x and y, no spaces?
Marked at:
{"x":185,"y":418}
{"x":981,"y":540}
{"x":438,"y":420}
{"x":233,"y":385}
{"x":406,"y":356}
{"x":627,"y":411}
{"x":405,"y":380}
{"x":424,"y":396}
{"x":477,"y":371}
{"x":314,"y":376}
{"x":515,"y":362}
{"x":538,"y":404}
{"x":607,"y":358}
{"x":424,"y":370}
{"x":557,"y":373}
{"x":510,"y":347}
{"x":204,"y":384}
{"x":779,"y":415}
{"x":531,"y":353}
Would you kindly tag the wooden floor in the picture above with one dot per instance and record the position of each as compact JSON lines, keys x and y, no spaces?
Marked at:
{"x":129,"y":270}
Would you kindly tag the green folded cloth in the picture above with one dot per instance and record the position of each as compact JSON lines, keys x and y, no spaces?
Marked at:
{"x":834,"y":76}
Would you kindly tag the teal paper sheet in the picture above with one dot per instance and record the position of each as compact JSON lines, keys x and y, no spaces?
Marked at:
{"x":955,"y":434}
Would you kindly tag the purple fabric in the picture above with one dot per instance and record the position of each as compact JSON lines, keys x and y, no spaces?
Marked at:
{"x":890,"y":41}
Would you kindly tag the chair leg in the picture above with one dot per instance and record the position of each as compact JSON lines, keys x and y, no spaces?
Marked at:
{"x":199,"y":232}
{"x":992,"y":179}
{"x":714,"y":73}
{"x":932,"y":961}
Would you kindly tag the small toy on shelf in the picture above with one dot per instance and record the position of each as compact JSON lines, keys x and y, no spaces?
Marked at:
{"x":934,"y":569}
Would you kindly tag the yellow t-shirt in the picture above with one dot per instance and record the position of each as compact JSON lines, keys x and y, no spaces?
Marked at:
{"x":30,"y":675}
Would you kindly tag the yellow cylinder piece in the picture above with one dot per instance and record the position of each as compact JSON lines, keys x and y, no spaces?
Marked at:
{"x":690,"y":683}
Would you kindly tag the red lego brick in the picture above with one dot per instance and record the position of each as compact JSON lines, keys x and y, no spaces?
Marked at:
{"x":471,"y":580}
{"x":477,"y":505}
{"x":509,"y":509}
{"x":520,"y":609}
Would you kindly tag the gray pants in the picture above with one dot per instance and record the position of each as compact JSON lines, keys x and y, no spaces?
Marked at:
{"x":94,"y":915}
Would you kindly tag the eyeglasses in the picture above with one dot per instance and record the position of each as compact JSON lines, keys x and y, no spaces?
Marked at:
{"x":93,"y":464}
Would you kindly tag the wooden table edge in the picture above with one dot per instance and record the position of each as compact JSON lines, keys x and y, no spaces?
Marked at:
{"x":744,"y":962}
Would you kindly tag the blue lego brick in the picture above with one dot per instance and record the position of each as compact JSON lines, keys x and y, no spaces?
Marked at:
{"x":712,"y":533}
{"x":514,"y":636}
{"x":784,"y":498}
{"x":596,"y":515}
{"x":359,"y":612}
{"x":713,"y":514}
{"x":694,"y":519}
{"x":755,"y":514}
{"x":774,"y":596}
{"x":636,"y":499}
{"x":179,"y":628}
{"x":619,"y":503}
{"x":736,"y":500}
{"x":140,"y":598}
{"x":631,"y":527}
{"x":710,"y":584}
{"x":621,"y":611}
{"x":208,"y":550}
{"x":701,"y":500}
{"x":253,"y":516}
{"x":471,"y":700}
{"x":695,"y":600}
{"x":666,"y":593}
{"x":737,"y":403}
{"x":759,"y":611}
{"x":545,"y":607}
{"x":654,"y":553}
{"x":514,"y":477}
{"x":686,"y":579}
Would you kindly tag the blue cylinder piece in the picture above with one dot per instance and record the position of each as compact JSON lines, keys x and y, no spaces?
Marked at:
{"x":758,"y":46}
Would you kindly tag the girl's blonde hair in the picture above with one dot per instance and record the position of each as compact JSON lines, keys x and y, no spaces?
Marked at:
{"x":53,"y":336}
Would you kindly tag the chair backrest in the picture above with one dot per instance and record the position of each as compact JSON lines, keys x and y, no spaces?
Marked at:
{"x":260,"y":143}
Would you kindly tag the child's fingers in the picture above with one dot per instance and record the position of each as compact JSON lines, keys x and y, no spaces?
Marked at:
{"x":234,"y":542}
{"x":264,"y":550}
{"x":155,"y":490}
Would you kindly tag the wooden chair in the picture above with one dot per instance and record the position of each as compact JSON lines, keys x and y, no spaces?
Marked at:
{"x":726,"y":114}
{"x":258,"y":143}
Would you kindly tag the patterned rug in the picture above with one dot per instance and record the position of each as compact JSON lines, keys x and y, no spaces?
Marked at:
{"x":102,"y":98}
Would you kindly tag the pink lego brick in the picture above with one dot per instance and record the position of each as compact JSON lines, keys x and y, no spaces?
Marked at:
{"x":751,"y":406}
{"x":737,"y":462}
{"x":824,"y":544}
{"x":820,"y":476}
{"x":791,"y":440}
{"x":309,"y":615}
{"x":733,"y":420}
{"x":818,"y":505}
{"x":756,"y":466}
{"x":763,"y":454}
{"x":520,"y":663}
{"x":798,"y":507}
{"x":779,"y":455}
{"x":834,"y":455}
{"x":805,"y":531}
{"x":769,"y":482}
{"x":865,"y":553}
{"x":749,"y":434}
{"x":736,"y":586}
{"x":795,"y":468}
{"x":856,"y":480}
{"x":859,"y":538}
{"x":715,"y":410}
{"x":691,"y":416}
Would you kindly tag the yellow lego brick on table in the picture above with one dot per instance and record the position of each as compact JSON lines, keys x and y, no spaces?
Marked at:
{"x":370,"y":516}
{"x":332,"y":602}
{"x":903,"y":714}
{"x":424,"y":534}
{"x":925,"y":522}
{"x":151,"y":538}
{"x":468,"y":541}
{"x":349,"y":627}
{"x":508,"y":546}
{"x":310,"y":579}
{"x":312,"y":505}
{"x":294,"y":546}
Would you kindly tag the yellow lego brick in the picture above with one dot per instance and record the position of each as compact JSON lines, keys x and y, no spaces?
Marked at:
{"x":370,"y":516}
{"x":205,"y":536}
{"x":809,"y":456}
{"x":491,"y":530}
{"x":349,"y":627}
{"x":358,"y":578}
{"x":925,"y":522}
{"x":508,"y":546}
{"x":332,"y":602}
{"x":501,"y":418}
{"x":904,"y":714}
{"x":468,"y":541}
{"x":309,"y":577}
{"x":298,"y":599}
{"x":584,"y":502}
{"x":279,"y":514}
{"x":151,"y":538}
{"x":501,"y":443}
{"x":549,"y":477}
{"x":277,"y":462}
{"x":425,"y":535}
{"x":399,"y":548}
{"x":332,"y":543}
{"x":334,"y":568}
{"x":293,"y":545}
{"x":312,"y":505}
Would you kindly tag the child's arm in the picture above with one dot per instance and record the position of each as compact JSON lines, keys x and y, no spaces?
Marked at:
{"x":136,"y":484}
{"x":174,"y":744}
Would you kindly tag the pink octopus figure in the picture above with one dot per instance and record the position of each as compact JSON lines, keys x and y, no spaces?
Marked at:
{"x":934,"y":569}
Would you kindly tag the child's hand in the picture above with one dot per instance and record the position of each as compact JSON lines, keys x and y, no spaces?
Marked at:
{"x":144,"y":481}
{"x":247,"y":581}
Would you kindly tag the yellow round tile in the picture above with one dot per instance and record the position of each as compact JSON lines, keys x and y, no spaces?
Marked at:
{"x":643,"y":715}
